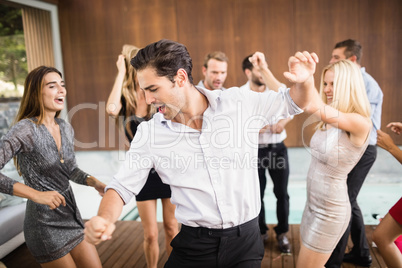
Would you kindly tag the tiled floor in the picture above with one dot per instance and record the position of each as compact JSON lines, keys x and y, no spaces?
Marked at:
{"x":383,"y":186}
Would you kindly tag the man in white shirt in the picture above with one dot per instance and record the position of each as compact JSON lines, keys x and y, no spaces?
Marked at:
{"x":215,"y":71}
{"x":272,"y":152}
{"x":204,"y":145}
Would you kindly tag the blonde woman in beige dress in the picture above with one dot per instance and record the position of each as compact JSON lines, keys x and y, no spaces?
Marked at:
{"x":343,"y":112}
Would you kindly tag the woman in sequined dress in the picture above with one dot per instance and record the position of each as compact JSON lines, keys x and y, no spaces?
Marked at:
{"x":127,"y":100}
{"x":341,"y":137}
{"x":43,"y":151}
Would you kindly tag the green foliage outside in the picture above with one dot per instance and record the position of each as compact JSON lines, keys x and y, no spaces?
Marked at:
{"x":13,"y":61}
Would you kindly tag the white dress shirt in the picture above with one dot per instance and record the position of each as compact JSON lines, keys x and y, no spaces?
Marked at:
{"x":213,"y":172}
{"x":268,"y":137}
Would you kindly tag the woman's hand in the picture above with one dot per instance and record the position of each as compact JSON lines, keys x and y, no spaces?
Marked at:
{"x":301,"y":67}
{"x":395,"y":127}
{"x":51,"y":198}
{"x":384,"y":140}
{"x":121,"y":64}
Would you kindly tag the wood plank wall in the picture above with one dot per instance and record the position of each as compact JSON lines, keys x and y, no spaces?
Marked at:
{"x":93,"y":32}
{"x":38,"y":37}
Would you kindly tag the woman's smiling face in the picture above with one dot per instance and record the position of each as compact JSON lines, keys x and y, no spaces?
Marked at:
{"x":329,"y":85}
{"x":53,"y":92}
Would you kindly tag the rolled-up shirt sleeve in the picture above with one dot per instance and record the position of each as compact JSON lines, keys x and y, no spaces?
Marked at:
{"x":133,"y":174}
{"x":272,"y":106}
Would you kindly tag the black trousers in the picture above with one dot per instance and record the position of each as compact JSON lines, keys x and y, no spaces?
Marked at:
{"x":356,"y":227}
{"x":274,"y":157}
{"x":239,"y":247}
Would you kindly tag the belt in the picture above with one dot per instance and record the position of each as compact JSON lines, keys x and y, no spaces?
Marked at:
{"x":260,"y":146}
{"x":232,"y":231}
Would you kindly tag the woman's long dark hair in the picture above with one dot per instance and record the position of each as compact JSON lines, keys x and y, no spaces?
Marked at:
{"x":31,"y":102}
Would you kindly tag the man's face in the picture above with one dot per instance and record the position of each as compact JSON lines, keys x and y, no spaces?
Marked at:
{"x":215,"y":74}
{"x":256,"y":78}
{"x":159,"y":91}
{"x":338,"y":54}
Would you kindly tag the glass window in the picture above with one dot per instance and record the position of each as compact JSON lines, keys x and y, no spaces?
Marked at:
{"x":13,"y":59}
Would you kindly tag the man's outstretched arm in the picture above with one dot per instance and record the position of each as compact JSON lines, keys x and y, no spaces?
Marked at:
{"x":259,"y":62}
{"x":101,"y":227}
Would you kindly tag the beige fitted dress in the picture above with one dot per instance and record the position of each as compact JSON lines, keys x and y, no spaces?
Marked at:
{"x":327,"y":211}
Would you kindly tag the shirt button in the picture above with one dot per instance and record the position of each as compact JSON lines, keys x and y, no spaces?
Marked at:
{"x":210,"y":232}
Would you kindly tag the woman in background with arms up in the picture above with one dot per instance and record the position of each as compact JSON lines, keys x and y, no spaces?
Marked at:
{"x":43,"y":147}
{"x":128,"y":101}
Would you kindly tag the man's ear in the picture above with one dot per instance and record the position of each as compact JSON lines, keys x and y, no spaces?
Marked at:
{"x":204,"y":70}
{"x":181,"y":77}
{"x":248,"y":73}
{"x":353,"y":58}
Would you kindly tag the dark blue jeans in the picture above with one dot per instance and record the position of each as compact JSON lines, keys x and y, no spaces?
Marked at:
{"x":274,"y":157}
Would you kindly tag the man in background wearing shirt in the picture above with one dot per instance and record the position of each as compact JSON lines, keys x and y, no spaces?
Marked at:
{"x":215,"y":70}
{"x":360,"y":254}
{"x":272,"y":153}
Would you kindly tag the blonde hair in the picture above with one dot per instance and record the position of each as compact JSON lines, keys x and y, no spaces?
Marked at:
{"x":130,"y":86}
{"x":349,"y":92}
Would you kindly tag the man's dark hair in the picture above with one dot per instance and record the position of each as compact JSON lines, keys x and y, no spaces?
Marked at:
{"x":352,"y":48}
{"x":166,"y":57}
{"x":247,"y":64}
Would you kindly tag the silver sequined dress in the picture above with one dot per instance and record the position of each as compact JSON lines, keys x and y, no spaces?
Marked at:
{"x":49,"y":234}
{"x":327,"y":211}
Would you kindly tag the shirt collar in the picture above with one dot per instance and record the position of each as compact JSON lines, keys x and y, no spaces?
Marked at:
{"x":212,"y":96}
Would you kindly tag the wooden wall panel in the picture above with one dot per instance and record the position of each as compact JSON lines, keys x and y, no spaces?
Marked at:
{"x":317,"y":24}
{"x":382,"y":33}
{"x":38,"y":37}
{"x":205,"y":26}
{"x":93,"y":32}
{"x":266,"y":26}
{"x":145,"y":22}
{"x":88,"y":34}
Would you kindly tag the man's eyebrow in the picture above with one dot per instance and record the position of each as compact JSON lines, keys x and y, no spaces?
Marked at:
{"x":148,"y":87}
